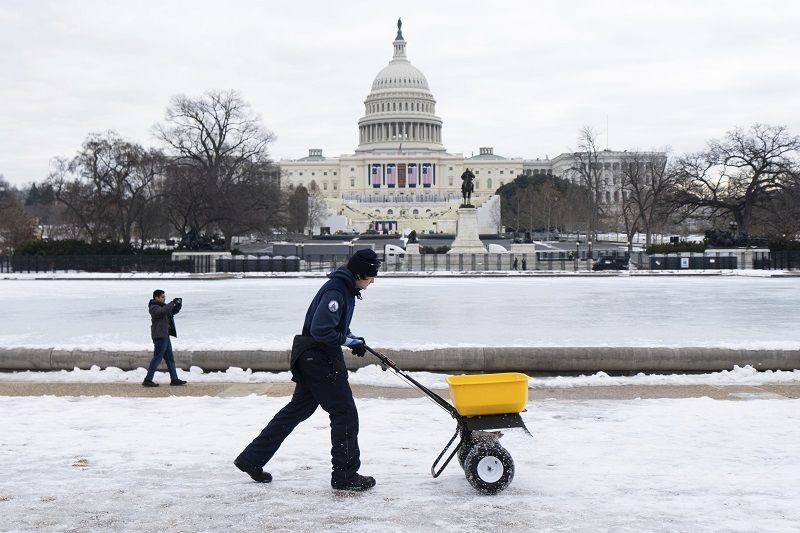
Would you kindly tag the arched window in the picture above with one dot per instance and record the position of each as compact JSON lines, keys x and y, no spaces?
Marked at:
{"x":415,"y":211}
{"x":616,"y":196}
{"x":390,"y":211}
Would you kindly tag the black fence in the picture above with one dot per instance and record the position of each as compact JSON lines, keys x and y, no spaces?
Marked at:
{"x":93,"y":263}
{"x":402,"y":262}
{"x":693,"y":262}
{"x":259,"y":264}
{"x":783,"y":260}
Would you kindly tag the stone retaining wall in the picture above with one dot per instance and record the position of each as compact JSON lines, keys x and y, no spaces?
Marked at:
{"x":479,"y":359}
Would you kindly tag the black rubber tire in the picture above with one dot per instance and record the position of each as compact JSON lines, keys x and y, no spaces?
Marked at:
{"x":489,"y":467}
{"x":462,"y":453}
{"x":473,"y":438}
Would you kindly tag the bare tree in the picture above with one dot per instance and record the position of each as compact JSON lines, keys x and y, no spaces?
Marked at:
{"x":647,"y":185}
{"x":738,"y":174}
{"x":16,"y":227}
{"x":589,"y":171}
{"x":218,"y":144}
{"x":78,"y":198}
{"x":780,"y":218}
{"x":105,"y":185}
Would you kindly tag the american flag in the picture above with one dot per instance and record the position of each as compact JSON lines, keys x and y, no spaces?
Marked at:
{"x":426,"y":175}
{"x":376,"y":175}
{"x":412,"y":175}
{"x":391,"y":176}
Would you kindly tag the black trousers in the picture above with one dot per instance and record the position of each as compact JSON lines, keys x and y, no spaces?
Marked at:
{"x":322,"y":381}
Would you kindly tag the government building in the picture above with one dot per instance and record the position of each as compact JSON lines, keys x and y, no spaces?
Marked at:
{"x":402,"y":178}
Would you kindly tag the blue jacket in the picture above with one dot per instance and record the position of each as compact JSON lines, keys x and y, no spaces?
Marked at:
{"x":328,"y":317}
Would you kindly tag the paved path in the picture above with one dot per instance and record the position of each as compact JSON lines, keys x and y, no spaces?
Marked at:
{"x":227,"y":390}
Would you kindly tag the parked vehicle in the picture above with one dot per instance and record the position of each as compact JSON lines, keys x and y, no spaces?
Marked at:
{"x":611,"y":263}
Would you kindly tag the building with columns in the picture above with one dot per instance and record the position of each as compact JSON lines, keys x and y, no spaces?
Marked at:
{"x":401,"y":177}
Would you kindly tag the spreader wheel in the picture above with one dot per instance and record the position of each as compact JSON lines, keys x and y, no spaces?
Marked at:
{"x":462,"y":453}
{"x":471,"y":440}
{"x":489,"y":467}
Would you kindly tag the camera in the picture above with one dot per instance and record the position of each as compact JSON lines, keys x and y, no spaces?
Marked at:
{"x":177,"y":300}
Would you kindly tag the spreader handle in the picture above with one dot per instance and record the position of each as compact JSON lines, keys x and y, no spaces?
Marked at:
{"x":444,"y":404}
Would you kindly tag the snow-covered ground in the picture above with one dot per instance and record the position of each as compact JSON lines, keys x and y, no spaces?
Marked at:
{"x":133,"y":464}
{"x":719,"y":311}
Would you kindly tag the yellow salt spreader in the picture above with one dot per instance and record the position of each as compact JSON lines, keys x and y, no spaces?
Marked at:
{"x":484,"y":403}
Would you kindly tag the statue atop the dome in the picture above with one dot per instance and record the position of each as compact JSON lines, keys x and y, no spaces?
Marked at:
{"x":467,"y":187}
{"x":399,"y":30}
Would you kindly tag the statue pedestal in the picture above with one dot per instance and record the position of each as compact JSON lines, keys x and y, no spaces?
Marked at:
{"x":526,"y":248}
{"x":467,"y":241}
{"x":412,"y":249}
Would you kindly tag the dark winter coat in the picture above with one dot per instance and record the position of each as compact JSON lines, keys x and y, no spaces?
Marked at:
{"x":327,"y":321}
{"x":329,"y":315}
{"x":161,"y":322}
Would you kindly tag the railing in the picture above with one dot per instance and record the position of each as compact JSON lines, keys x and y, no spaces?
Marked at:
{"x":259,"y":264}
{"x":565,"y":261}
{"x":92,"y":263}
{"x":446,"y":263}
{"x":783,"y":260}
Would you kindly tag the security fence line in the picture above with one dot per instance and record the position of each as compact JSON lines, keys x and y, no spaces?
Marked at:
{"x":555,"y":261}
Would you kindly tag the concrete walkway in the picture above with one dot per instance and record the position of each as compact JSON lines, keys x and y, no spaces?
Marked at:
{"x":228,"y":390}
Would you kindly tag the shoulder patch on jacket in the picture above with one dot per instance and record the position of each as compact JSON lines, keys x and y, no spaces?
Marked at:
{"x":333,"y":306}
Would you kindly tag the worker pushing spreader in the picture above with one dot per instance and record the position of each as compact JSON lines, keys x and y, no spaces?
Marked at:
{"x":483,"y":402}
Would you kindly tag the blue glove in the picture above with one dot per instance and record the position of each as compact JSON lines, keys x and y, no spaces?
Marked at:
{"x":356,"y":344}
{"x":352,"y":340}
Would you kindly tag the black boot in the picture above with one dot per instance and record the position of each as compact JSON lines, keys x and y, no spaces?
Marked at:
{"x":149,"y":383}
{"x":177,"y":382}
{"x":356,"y":483}
{"x":254,"y":472}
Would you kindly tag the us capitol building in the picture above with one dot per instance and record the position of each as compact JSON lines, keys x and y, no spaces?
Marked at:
{"x":401,"y":177}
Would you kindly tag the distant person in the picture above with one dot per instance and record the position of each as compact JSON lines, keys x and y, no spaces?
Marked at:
{"x":162,"y":327}
{"x":524,"y":264}
{"x":320,"y":374}
{"x":515,"y":266}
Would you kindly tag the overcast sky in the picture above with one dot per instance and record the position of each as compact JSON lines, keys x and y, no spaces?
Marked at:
{"x":522,"y":77}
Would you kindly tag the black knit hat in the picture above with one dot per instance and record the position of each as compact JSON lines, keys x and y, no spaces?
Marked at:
{"x":364,"y":263}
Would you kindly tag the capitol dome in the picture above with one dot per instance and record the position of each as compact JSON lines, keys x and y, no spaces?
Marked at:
{"x":400,"y":73}
{"x":400,"y":111}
